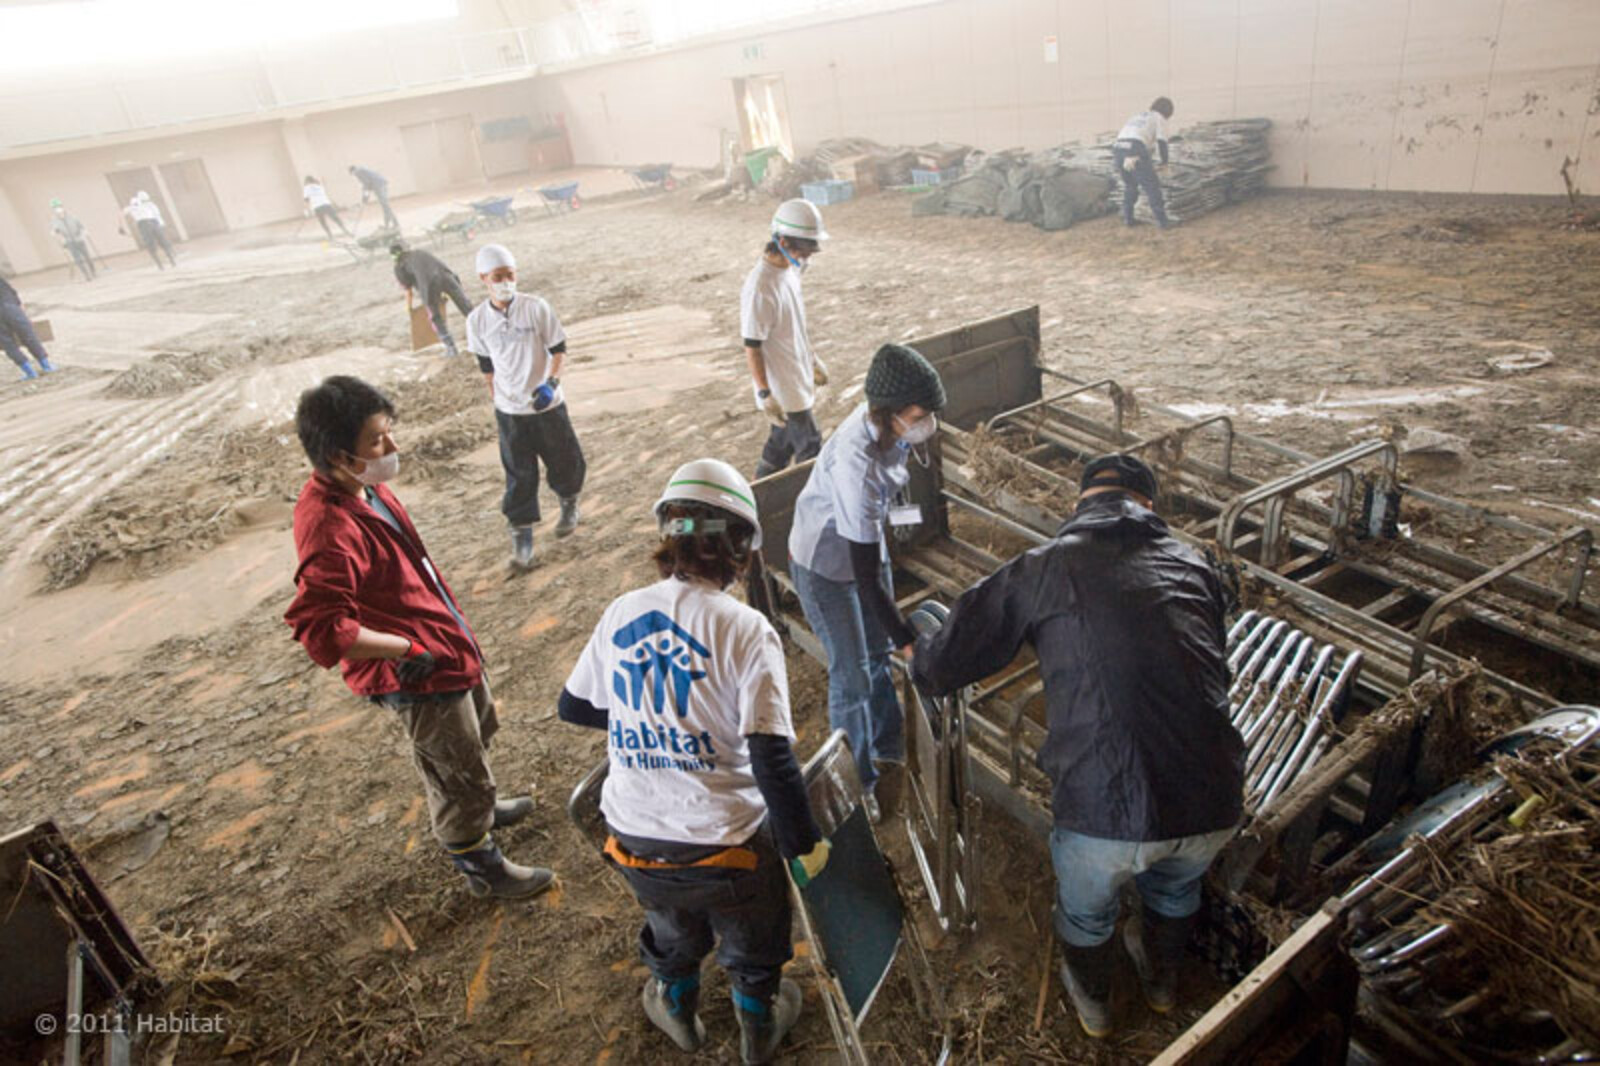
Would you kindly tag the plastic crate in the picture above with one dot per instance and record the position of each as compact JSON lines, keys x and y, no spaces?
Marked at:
{"x":823,"y":193}
{"x":934,"y":177}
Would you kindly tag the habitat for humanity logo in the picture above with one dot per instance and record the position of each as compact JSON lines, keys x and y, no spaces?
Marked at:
{"x":658,"y":653}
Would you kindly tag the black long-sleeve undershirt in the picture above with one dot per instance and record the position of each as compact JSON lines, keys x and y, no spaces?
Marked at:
{"x":867,"y":569}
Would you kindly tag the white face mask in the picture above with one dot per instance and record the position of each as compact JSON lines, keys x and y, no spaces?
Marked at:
{"x":918,"y":432}
{"x":502,"y":291}
{"x":377,"y":471}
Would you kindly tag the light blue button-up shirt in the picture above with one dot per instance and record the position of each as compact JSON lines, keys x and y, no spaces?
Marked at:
{"x":846,"y":498}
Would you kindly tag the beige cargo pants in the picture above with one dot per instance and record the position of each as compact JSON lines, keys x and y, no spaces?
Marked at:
{"x":449,"y":743}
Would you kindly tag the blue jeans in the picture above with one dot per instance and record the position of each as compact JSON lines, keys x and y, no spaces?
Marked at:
{"x":16,"y":333}
{"x":1090,"y":873}
{"x":861,"y":694}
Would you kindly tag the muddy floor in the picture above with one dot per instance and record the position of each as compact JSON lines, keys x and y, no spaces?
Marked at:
{"x":261,"y":830}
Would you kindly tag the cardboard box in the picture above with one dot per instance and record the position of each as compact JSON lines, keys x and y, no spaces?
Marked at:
{"x":41,"y":326}
{"x":860,"y":170}
{"x":422,"y":335}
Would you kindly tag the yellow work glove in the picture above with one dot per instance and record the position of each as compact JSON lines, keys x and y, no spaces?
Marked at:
{"x":819,"y":371}
{"x":805,"y":868}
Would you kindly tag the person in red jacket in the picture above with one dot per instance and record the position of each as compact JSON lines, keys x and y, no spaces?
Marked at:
{"x":370,"y":600}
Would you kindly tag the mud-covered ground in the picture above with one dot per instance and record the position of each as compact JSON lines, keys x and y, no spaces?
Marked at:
{"x":153,"y":700}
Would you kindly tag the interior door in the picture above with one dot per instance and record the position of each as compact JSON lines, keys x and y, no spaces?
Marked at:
{"x":124,"y":183}
{"x":193,"y":197}
{"x":763,"y":106}
{"x":458,"y":140}
{"x":428,"y":167}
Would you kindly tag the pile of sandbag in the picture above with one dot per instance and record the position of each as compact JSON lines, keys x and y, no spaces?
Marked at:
{"x":1212,"y":164}
{"x":1018,"y":187}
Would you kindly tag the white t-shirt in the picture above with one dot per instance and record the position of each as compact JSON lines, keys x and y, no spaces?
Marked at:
{"x":1146,"y":126}
{"x":772,"y":311}
{"x":685,"y":673}
{"x":143,"y":210}
{"x":518,"y":342}
{"x":316,"y":195}
{"x":846,"y":498}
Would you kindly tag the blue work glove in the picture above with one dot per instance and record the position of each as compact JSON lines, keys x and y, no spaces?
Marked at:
{"x":543,"y":396}
{"x":805,"y":868}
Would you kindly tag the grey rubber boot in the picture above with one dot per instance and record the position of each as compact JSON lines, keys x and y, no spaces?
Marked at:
{"x":764,"y":1023}
{"x":1155,"y":944}
{"x":522,"y":547}
{"x":673,"y":1007}
{"x":569,"y":516}
{"x":512,"y":811}
{"x":1086,"y":973}
{"x":490,"y":873}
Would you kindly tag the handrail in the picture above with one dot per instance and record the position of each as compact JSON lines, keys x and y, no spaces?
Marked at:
{"x":1578,"y":534}
{"x":1225,"y":421}
{"x":1109,"y":384}
{"x":1274,"y":493}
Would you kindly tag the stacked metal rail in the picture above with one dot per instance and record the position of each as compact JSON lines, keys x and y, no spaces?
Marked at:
{"x":1287,"y":697}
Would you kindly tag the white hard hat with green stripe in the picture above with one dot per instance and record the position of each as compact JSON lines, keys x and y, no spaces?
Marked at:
{"x":713,"y":482}
{"x":799,"y":218}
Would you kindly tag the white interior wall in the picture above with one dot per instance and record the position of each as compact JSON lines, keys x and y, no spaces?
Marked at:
{"x":1481,"y":96}
{"x":255,"y":169}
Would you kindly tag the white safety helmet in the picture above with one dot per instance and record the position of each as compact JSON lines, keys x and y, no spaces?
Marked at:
{"x":491,"y":256}
{"x":141,"y":196}
{"x":799,"y":218}
{"x":713,"y":482}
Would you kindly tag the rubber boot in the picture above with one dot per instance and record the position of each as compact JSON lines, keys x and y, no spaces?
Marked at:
{"x":673,"y":1007}
{"x":450,"y":348}
{"x":889,"y":787}
{"x":490,"y":873}
{"x":47,"y":366}
{"x":569,"y":516}
{"x":1156,"y":944}
{"x":522,"y":547}
{"x":1086,"y":973}
{"x":512,"y":811}
{"x":28,"y":372}
{"x":764,"y":1023}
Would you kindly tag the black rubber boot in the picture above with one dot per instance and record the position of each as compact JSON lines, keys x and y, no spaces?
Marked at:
{"x":1086,"y":973}
{"x":1156,"y":945}
{"x":522,"y":548}
{"x":673,"y":1007}
{"x":764,"y":1023}
{"x":889,"y":788}
{"x":490,"y":873}
{"x":512,"y":811}
{"x":569,"y":516}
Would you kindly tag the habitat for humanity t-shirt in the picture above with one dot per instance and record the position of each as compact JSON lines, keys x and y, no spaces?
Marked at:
{"x":685,"y":672}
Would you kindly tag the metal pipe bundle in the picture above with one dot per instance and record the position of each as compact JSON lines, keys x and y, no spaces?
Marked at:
{"x":1285,"y":695}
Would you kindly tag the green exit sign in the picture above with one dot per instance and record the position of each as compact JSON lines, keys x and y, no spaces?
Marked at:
{"x":755,"y":50}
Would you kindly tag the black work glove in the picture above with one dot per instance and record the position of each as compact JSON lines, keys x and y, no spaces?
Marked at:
{"x":414,"y":669}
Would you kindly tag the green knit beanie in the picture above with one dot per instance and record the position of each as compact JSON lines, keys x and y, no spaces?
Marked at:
{"x":900,"y":376}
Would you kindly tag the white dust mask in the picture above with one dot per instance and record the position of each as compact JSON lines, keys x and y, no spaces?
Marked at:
{"x":379,"y":470}
{"x":502,"y":291}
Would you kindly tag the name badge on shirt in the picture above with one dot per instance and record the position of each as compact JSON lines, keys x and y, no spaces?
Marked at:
{"x":905,"y":514}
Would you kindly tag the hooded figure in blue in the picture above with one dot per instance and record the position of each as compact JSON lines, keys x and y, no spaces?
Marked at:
{"x":839,"y":559}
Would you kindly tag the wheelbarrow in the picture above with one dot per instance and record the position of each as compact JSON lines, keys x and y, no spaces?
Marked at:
{"x":495,"y":211}
{"x":457,"y":224}
{"x":653,"y":174}
{"x":559,"y":198}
